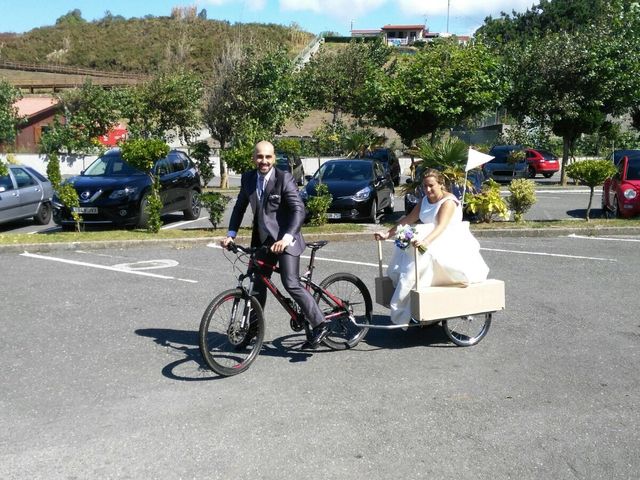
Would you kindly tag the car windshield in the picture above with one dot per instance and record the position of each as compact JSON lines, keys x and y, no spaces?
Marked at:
{"x":358,"y":170}
{"x":109,"y":166}
{"x":633,"y":168}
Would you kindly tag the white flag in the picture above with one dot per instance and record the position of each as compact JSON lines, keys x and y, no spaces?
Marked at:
{"x":476,"y":159}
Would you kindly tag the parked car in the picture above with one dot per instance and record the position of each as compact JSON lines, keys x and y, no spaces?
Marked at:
{"x":501,"y":169}
{"x":361,"y":189}
{"x":390,"y":161}
{"x":475,"y":177}
{"x":536,"y":161}
{"x":113,"y":192}
{"x":621,"y":193}
{"x":291,"y":163}
{"x":25,"y":193}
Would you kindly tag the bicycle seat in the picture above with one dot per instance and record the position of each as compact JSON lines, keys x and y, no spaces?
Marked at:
{"x":317,"y":245}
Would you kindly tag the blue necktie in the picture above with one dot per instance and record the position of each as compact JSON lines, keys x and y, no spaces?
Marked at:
{"x":261,"y":180}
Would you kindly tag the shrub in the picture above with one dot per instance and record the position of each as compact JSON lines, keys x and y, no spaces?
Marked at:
{"x":66,"y":193}
{"x":591,"y":173}
{"x":319,"y":204}
{"x":201,"y":152}
{"x":143,"y":153}
{"x":215,"y":203}
{"x":488,"y":203}
{"x":522,"y":198}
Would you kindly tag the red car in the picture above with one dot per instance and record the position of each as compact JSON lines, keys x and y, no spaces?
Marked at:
{"x":621,"y":193}
{"x":542,"y":162}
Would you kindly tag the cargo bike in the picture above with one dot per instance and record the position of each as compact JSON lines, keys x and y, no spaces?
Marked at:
{"x":232,"y":328}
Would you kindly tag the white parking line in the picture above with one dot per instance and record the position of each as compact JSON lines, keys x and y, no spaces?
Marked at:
{"x":585,"y":237}
{"x":522,"y":252}
{"x":519,"y":252}
{"x":105,"y":267}
{"x":179,"y":224}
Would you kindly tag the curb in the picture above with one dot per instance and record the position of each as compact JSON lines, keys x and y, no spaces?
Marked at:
{"x":334,"y":237}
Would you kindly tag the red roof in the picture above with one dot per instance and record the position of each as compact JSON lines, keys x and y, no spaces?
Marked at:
{"x":403,"y":27}
{"x":29,"y":106}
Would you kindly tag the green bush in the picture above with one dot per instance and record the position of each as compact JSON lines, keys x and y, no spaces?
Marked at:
{"x":591,"y":173}
{"x":143,"y":153}
{"x":319,"y":204}
{"x":201,"y":152}
{"x":522,"y":198}
{"x":488,"y":203}
{"x":4,"y":170}
{"x":67,"y":194}
{"x":215,"y":203}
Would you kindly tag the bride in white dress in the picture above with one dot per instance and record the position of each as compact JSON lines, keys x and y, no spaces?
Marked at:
{"x":452,"y":253}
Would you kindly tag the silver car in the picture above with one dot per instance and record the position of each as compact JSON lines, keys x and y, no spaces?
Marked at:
{"x":25,"y":193}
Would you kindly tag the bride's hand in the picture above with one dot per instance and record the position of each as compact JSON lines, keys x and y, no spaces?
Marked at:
{"x":381,"y":235}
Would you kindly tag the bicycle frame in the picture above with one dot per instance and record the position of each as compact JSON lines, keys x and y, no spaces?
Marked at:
{"x":256,"y":269}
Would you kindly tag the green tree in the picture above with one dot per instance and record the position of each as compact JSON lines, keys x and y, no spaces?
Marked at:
{"x":168,"y":106}
{"x":72,"y":17}
{"x":251,"y":91}
{"x":585,"y":60}
{"x":87,"y":113}
{"x":591,"y":173}
{"x":9,"y":118}
{"x":441,"y":86}
{"x":334,"y":80}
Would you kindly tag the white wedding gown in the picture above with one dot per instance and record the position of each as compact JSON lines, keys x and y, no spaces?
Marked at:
{"x":452,"y":258}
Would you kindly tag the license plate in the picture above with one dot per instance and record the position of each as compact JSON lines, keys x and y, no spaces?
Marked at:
{"x":333,"y":216}
{"x":85,"y":209}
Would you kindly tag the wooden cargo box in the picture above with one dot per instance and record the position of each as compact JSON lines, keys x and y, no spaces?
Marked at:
{"x":436,"y":303}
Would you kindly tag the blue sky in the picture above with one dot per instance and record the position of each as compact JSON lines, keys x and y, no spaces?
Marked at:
{"x":311,"y":15}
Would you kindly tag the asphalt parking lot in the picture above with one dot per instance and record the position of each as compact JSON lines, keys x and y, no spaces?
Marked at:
{"x":103,"y":378}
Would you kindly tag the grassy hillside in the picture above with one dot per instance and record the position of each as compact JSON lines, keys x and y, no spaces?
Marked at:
{"x":141,"y":45}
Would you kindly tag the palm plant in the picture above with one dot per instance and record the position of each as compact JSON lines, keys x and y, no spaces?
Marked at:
{"x":448,"y":156}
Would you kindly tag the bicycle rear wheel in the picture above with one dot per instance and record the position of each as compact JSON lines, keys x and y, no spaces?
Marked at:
{"x":467,"y":330}
{"x":228,"y":346}
{"x":357,"y":305}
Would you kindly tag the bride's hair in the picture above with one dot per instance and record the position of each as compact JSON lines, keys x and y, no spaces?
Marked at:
{"x":437,"y":174}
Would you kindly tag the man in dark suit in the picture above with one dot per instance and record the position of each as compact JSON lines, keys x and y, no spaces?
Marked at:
{"x":278,"y":215}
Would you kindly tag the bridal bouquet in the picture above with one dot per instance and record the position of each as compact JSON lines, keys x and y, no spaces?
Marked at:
{"x":404,"y":235}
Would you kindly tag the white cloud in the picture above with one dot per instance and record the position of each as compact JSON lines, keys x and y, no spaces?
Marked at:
{"x":464,"y":7}
{"x":335,"y":8}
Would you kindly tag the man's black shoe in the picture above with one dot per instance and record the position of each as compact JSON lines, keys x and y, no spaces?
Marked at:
{"x":318,"y":334}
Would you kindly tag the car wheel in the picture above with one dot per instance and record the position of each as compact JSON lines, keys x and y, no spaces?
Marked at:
{"x":43,"y":215}
{"x":389,"y":209}
{"x":548,"y":174}
{"x":143,"y":218}
{"x":373,"y":215}
{"x":531,"y":172}
{"x":192,"y":212}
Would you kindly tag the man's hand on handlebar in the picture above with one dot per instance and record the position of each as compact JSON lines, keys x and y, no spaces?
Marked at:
{"x":227,"y":243}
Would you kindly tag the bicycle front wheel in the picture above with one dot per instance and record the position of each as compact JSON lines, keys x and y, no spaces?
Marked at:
{"x":231,"y":332}
{"x":356,"y":307}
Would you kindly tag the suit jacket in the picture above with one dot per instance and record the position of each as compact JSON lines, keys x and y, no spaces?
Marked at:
{"x":282,"y":208}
